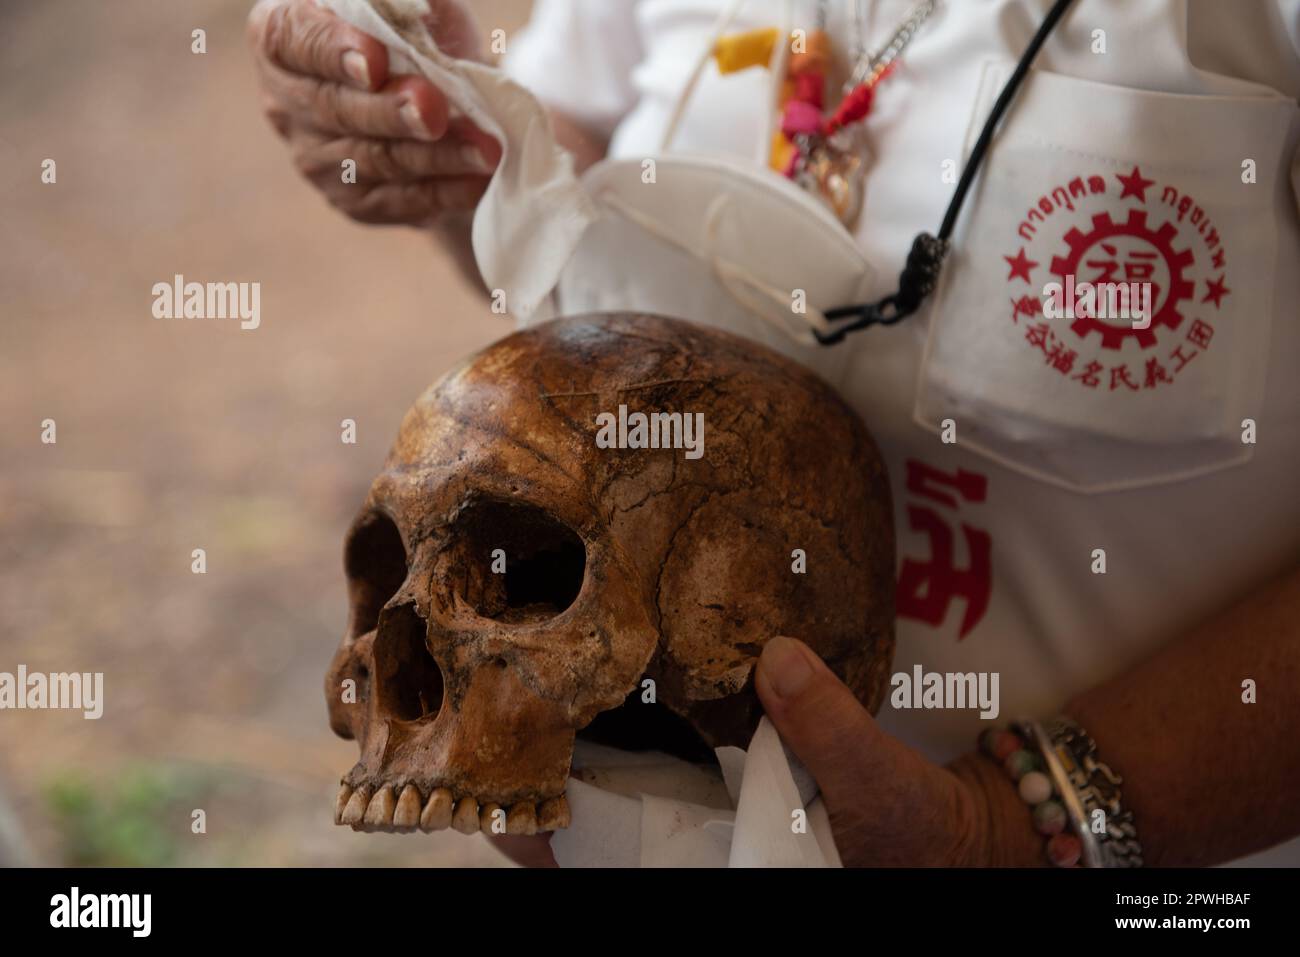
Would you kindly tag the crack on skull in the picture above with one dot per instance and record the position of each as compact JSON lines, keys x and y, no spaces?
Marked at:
{"x":668,"y":556}
{"x":497,"y":435}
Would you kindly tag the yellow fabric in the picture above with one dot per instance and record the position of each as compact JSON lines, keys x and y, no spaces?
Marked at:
{"x":782,"y":150}
{"x":740,"y":51}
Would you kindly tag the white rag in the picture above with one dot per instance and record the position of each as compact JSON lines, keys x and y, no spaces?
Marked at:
{"x":655,"y":810}
{"x":534,"y":211}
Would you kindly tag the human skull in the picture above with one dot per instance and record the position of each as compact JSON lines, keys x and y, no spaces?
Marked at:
{"x":512,"y":583}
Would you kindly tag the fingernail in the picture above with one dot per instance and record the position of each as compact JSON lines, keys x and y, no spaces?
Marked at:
{"x":356,"y":67}
{"x":474,"y":159}
{"x":785,"y":667}
{"x":414,"y":122}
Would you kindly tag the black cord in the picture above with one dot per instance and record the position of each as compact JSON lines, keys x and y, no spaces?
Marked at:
{"x":925,"y":259}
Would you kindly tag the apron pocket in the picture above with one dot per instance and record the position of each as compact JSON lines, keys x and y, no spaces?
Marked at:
{"x":1103,"y":320}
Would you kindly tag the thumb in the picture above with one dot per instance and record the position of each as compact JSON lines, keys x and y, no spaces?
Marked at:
{"x":818,"y":717}
{"x":888,"y":804}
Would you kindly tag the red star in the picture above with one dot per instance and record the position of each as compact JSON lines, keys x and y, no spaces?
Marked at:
{"x":1134,"y":184}
{"x":1020,"y":266}
{"x":1217,"y":290}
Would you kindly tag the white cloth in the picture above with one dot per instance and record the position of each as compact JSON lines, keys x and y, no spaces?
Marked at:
{"x":654,"y":810}
{"x":534,"y":191}
{"x":701,"y":254}
{"x":995,"y":565}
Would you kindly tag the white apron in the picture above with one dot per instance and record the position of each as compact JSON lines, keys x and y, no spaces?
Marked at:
{"x":1088,"y":404}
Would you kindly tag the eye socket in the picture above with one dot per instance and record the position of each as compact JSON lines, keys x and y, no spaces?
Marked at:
{"x":544,"y":562}
{"x":375,"y":562}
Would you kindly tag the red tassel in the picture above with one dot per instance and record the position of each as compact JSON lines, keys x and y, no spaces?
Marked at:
{"x":851,"y":109}
{"x":857,"y":104}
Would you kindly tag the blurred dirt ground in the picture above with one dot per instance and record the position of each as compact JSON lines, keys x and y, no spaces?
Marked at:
{"x":179,"y":435}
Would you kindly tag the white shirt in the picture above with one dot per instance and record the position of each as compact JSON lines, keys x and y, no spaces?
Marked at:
{"x":1016,"y":592}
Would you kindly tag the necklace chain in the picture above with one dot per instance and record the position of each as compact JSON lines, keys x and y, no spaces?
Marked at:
{"x":826,"y":155}
{"x":869,"y":68}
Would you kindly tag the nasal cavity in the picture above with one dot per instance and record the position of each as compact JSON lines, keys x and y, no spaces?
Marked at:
{"x":519,"y":562}
{"x":408,"y":682}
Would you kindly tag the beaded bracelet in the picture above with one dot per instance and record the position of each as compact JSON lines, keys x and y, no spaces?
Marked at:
{"x":1023,"y":758}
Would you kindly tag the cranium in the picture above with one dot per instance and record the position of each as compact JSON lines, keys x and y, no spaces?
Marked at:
{"x":511,"y":583}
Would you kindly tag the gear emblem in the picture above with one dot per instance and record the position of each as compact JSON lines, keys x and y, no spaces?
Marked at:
{"x":1128,"y":252}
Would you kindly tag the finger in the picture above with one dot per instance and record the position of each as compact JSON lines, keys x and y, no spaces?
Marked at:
{"x":321,"y":159}
{"x":407,"y":108}
{"x":819,"y":718}
{"x":488,"y":147}
{"x":421,"y":106}
{"x":420,"y":203}
{"x":888,"y":804}
{"x":302,"y":38}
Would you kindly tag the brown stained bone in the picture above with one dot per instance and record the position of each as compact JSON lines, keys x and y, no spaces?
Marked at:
{"x":409,"y":806}
{"x":465,"y":817}
{"x":553,"y":814}
{"x":623,"y":564}
{"x":522,"y":819}
{"x":437,"y":812}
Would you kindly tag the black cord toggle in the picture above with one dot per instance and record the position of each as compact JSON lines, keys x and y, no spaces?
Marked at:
{"x":921,"y":274}
{"x":917,"y":280}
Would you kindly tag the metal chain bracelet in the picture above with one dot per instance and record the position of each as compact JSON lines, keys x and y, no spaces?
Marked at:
{"x":1098,"y":788}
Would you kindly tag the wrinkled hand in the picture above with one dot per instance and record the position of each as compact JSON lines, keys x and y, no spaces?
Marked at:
{"x":888,"y":805}
{"x":327,"y":91}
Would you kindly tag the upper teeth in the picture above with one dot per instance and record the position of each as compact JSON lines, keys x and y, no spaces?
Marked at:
{"x":391,"y":809}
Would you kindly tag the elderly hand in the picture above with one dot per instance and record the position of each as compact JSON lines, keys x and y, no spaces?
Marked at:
{"x":327,"y":91}
{"x":888,"y":805}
